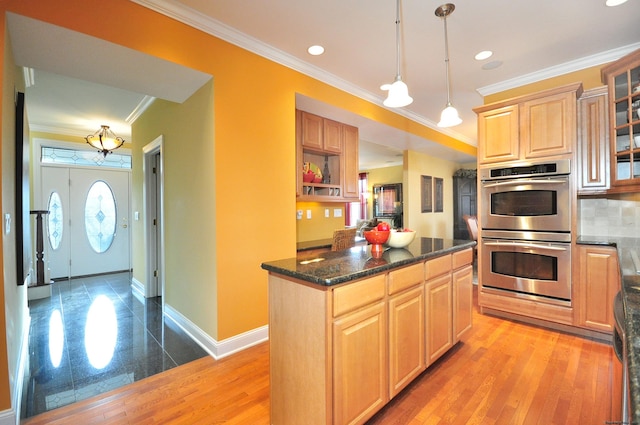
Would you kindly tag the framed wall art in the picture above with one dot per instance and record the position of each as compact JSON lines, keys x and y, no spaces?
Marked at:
{"x":426,"y":192}
{"x":438,"y":190}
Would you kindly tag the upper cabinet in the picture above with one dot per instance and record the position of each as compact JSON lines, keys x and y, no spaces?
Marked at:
{"x":330,"y":150}
{"x":623,"y":79}
{"x":593,"y":142}
{"x":529,"y":127}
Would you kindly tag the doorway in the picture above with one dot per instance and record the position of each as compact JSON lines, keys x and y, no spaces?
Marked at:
{"x":88,"y":224}
{"x":153,"y":216}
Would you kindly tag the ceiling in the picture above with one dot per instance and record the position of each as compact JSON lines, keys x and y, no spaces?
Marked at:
{"x":531,"y":41}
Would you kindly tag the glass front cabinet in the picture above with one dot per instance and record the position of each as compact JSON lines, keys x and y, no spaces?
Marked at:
{"x":623,"y":79}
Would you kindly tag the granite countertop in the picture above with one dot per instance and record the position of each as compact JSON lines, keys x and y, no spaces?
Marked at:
{"x":332,"y":268}
{"x":628,"y":254}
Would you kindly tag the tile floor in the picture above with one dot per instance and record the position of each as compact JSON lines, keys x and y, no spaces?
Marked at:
{"x":93,"y":335}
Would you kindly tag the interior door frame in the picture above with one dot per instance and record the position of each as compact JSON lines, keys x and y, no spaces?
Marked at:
{"x":153,"y":244}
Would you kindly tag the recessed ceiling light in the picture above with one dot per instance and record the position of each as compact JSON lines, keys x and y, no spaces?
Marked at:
{"x":485,"y":54}
{"x":491,"y":65}
{"x":315,"y":50}
{"x":612,"y":3}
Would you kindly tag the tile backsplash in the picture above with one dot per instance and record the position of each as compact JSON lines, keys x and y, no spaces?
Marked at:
{"x":608,"y":217}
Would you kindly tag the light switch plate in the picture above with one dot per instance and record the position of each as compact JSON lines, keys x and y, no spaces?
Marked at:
{"x":308,"y":214}
{"x":7,"y":223}
{"x":337,"y":212}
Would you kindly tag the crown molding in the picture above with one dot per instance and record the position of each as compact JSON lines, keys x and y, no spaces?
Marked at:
{"x":554,"y":71}
{"x":144,"y":104}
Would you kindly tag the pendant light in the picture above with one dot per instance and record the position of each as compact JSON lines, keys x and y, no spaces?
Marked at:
{"x":398,"y":91}
{"x":449,"y":116}
{"x":104,"y":140}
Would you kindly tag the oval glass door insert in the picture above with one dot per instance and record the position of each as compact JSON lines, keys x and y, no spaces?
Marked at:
{"x":100,"y":216}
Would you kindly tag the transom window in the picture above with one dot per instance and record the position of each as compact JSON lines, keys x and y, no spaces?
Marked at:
{"x":51,"y":155}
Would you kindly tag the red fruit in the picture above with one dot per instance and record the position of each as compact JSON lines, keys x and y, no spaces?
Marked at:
{"x":383,"y":227}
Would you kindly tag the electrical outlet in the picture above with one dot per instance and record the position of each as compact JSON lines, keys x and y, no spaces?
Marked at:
{"x":299,"y":214}
{"x":337,"y":212}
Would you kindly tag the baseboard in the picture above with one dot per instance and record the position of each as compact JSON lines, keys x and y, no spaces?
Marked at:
{"x":9,"y":417}
{"x":217,"y":349}
{"x":12,"y":416}
{"x":137,"y":288}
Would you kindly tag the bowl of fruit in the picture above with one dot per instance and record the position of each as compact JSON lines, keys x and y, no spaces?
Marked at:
{"x":376,"y":237}
{"x":399,"y":238}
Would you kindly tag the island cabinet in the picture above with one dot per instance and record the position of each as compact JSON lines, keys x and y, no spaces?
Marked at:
{"x":598,"y":282}
{"x":529,"y":127}
{"x":406,"y":326}
{"x":339,"y":353}
{"x":449,"y":301}
{"x":330,"y":148}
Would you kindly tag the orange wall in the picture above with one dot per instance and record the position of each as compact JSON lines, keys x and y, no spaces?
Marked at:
{"x":254,"y":115}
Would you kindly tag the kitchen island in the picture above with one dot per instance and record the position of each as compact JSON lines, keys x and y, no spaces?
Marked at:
{"x":349,"y":331}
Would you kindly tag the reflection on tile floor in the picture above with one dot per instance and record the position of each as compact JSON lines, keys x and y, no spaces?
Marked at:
{"x":92,"y":336}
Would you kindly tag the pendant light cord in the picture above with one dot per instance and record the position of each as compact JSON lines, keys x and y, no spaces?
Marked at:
{"x":398,"y":40}
{"x":446,"y":60}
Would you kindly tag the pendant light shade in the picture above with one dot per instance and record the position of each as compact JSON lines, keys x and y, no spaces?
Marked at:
{"x":398,"y":91}
{"x":449,"y":116}
{"x":398,"y":94}
{"x":104,"y":140}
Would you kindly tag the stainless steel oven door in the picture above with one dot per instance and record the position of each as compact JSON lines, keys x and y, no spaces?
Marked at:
{"x":531,"y":269}
{"x":530,"y":204}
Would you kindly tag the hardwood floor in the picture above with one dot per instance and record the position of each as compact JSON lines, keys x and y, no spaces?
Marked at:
{"x":502,"y":373}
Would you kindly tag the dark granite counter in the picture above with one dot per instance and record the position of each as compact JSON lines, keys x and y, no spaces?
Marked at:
{"x":332,"y":268}
{"x":628,"y":255}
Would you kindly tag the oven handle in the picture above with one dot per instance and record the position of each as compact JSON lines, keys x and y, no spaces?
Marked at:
{"x":524,"y":181}
{"x":525,"y":245}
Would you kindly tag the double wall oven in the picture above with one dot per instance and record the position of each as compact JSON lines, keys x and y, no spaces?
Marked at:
{"x":526,"y":230}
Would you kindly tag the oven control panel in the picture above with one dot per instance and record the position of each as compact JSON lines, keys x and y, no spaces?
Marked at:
{"x":527,"y":169}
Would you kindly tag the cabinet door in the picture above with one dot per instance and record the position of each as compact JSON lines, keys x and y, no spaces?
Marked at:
{"x":462,"y":302}
{"x":599,"y":282}
{"x":548,"y":125}
{"x":406,"y":338}
{"x":359,"y":365}
{"x":439,"y":316}
{"x":332,"y":136}
{"x":498,"y":135}
{"x":593,"y":141}
{"x":312,"y":129}
{"x":350,"y":162}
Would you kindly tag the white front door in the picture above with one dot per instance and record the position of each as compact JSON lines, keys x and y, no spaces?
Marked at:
{"x":95,"y":220}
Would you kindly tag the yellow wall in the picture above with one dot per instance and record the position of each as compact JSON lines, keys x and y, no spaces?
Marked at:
{"x":251,"y":159}
{"x":189,"y":203}
{"x":431,"y":224}
{"x":318,"y":226}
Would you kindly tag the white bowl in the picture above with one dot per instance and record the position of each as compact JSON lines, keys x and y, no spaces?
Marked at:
{"x":399,"y":239}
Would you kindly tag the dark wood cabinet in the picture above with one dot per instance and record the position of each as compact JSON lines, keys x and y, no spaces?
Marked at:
{"x":465,"y":191}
